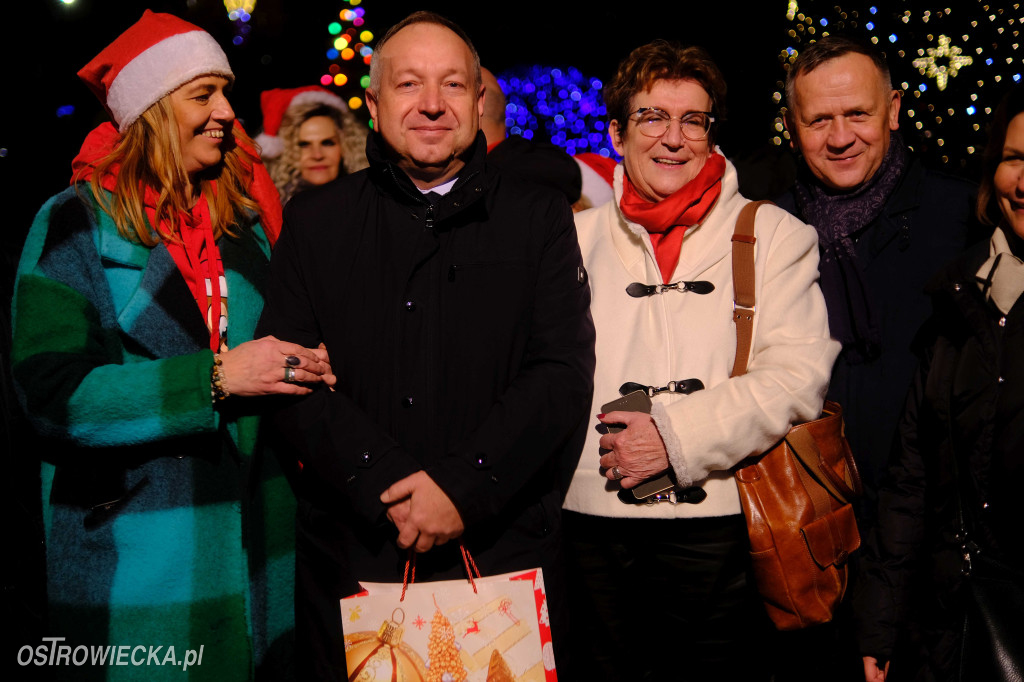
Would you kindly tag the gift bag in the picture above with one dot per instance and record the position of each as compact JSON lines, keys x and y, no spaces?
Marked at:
{"x":492,"y":629}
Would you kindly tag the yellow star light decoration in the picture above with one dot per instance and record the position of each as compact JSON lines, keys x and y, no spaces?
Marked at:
{"x":929,"y":68}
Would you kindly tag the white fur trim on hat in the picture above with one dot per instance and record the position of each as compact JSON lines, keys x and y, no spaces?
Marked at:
{"x":277,"y":103}
{"x":321,"y":97}
{"x":160,"y":70}
{"x":271,"y":146}
{"x":596,"y":189}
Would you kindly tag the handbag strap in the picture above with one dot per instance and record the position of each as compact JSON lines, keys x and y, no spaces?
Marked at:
{"x":744,"y":303}
{"x":801,"y":442}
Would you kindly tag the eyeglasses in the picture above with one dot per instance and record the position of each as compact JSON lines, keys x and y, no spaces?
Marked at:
{"x":654,"y":122}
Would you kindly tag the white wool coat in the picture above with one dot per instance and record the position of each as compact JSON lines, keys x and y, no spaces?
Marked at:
{"x":682,"y":335}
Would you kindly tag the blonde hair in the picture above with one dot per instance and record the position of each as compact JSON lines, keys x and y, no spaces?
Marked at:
{"x":149,"y":155}
{"x":284,"y":170}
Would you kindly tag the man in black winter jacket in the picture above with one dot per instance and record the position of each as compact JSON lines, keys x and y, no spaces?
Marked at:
{"x":885,"y":225}
{"x":454,"y":305}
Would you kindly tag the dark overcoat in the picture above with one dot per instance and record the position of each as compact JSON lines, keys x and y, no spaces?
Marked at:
{"x":925,"y":223}
{"x":461,"y":338}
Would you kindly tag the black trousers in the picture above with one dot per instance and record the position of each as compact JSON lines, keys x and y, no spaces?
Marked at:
{"x":664,"y":600}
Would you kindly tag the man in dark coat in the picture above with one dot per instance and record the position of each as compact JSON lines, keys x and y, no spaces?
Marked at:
{"x":455,"y":306}
{"x":885,"y":225}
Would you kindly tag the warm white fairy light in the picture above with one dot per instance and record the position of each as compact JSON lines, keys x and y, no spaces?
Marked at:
{"x":927,"y":50}
{"x":930,"y":67}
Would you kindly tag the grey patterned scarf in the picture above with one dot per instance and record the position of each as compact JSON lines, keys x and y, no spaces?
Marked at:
{"x":839,"y":218}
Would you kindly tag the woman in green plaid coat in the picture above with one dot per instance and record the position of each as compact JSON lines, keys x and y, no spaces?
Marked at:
{"x":168,"y":524}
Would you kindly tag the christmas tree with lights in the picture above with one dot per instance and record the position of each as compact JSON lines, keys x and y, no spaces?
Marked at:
{"x":349,"y":54}
{"x":952,"y":63}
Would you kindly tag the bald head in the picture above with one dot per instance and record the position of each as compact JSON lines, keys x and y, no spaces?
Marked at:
{"x":493,"y":120}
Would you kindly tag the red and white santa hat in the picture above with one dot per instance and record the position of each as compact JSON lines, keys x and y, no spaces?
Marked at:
{"x":156,"y":55}
{"x":276,"y":103}
{"x":597,"y":172}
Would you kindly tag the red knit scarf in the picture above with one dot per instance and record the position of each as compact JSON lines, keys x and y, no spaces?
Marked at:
{"x":688,"y":206}
{"x":196,"y":254}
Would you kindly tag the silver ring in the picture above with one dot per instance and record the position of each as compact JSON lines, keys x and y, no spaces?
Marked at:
{"x":616,"y":474}
{"x":289,"y":375}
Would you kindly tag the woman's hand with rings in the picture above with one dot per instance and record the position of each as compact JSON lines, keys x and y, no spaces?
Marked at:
{"x":268,"y":365}
{"x":634,"y":454}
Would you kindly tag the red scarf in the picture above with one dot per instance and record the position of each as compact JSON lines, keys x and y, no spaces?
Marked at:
{"x":688,"y":206}
{"x":196,"y":254}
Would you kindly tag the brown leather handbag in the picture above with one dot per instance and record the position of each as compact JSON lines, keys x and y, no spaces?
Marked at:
{"x":796,"y":496}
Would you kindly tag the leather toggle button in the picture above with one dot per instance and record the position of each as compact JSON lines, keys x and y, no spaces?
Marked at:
{"x":410,"y":306}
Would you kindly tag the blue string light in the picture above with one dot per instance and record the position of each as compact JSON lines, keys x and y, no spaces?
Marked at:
{"x":560,"y":104}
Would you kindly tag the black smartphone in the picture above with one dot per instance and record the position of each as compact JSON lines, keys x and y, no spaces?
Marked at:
{"x":637,"y":401}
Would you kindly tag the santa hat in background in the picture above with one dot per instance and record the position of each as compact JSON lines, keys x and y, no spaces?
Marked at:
{"x":598,"y":172}
{"x":156,"y":55}
{"x":276,"y":103}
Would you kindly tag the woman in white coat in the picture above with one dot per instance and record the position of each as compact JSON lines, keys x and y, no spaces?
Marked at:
{"x":663,"y":588}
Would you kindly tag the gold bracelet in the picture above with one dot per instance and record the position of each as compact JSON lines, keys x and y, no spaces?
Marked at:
{"x":218,"y":387}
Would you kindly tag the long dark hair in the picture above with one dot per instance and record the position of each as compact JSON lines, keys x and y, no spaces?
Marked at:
{"x":1012,"y":104}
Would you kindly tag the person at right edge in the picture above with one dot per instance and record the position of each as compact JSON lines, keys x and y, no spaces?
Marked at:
{"x":885,"y":224}
{"x":963,"y":420}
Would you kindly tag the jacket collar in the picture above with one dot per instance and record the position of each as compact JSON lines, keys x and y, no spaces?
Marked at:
{"x":906,"y":196}
{"x":895,"y":219}
{"x":702,"y":246}
{"x":152,"y":302}
{"x":470,"y":186}
{"x":960,"y":272}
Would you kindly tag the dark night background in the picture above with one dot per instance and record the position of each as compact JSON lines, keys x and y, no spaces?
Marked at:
{"x":46,"y":42}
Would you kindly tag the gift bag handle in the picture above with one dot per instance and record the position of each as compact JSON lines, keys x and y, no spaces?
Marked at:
{"x":409,"y":575}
